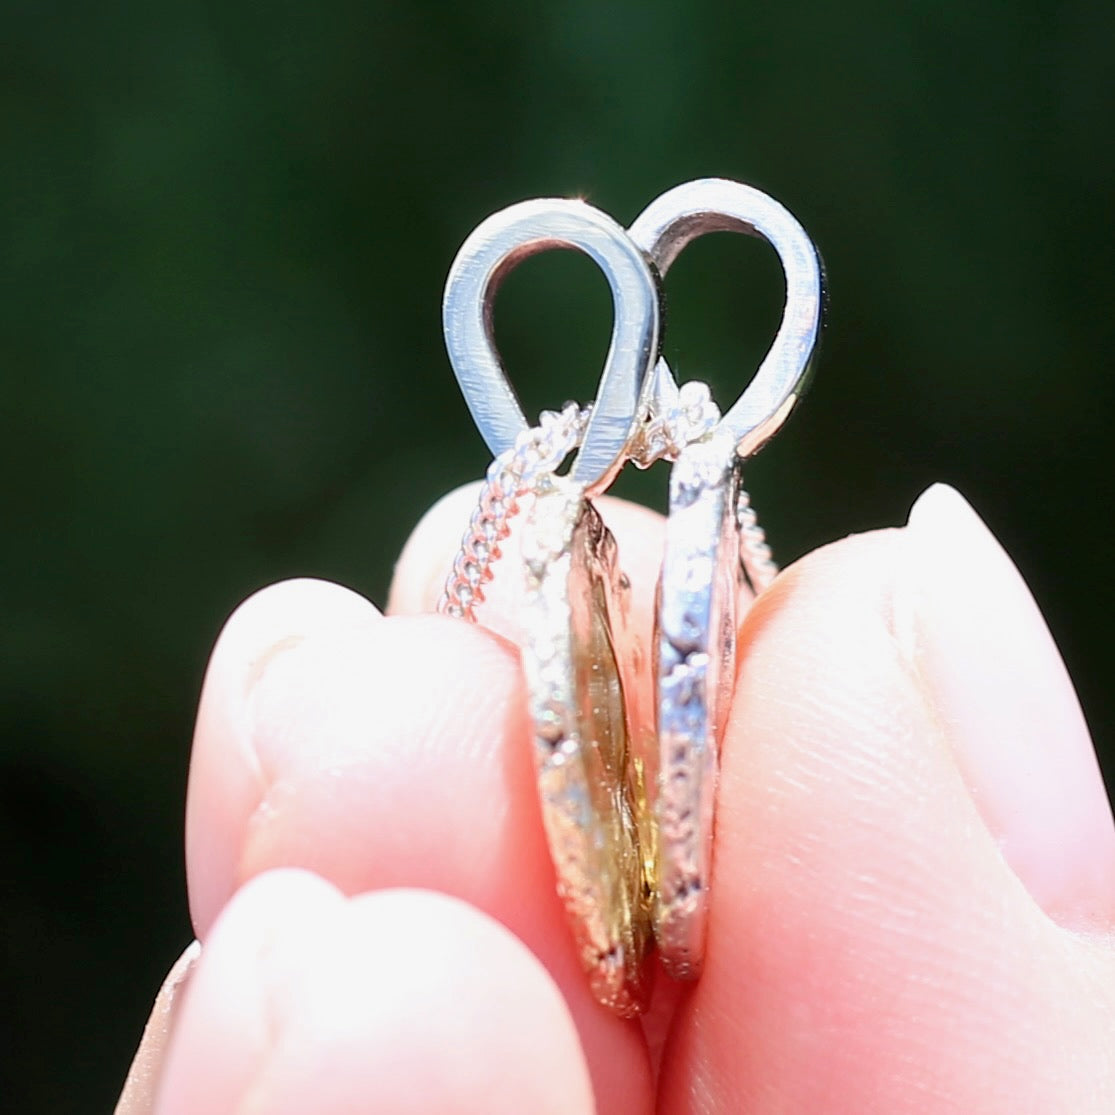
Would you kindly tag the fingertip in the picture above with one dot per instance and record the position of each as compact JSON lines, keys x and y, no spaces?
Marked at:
{"x":397,"y":754}
{"x":293,"y":608}
{"x":861,"y":912}
{"x":395,"y":1001}
{"x":993,"y":672}
{"x":225,"y":779}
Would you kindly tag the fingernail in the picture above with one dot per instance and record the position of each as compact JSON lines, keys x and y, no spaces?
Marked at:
{"x":142,"y":1084}
{"x":991,"y":668}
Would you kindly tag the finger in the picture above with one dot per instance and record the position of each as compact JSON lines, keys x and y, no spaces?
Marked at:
{"x":395,"y":1002}
{"x":138,"y":1094}
{"x":872,"y":945}
{"x":988,"y":664}
{"x":382,"y":754}
{"x":226,"y":781}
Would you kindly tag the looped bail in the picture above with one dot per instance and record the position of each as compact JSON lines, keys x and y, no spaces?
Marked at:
{"x":496,"y":246}
{"x":688,"y":211}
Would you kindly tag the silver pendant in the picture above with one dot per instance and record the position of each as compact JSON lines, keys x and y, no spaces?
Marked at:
{"x":577,"y":652}
{"x":628,"y":808}
{"x":711,"y":543}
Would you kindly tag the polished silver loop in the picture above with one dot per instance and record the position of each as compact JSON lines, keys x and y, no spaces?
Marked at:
{"x":487,"y":256}
{"x":688,"y":211}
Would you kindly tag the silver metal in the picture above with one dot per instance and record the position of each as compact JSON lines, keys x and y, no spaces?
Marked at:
{"x":577,"y":653}
{"x":754,"y":553}
{"x":699,"y":606}
{"x":713,"y":545}
{"x":518,"y":472}
{"x":629,"y":818}
{"x":688,"y":211}
{"x":487,"y":256}
{"x":596,"y":752}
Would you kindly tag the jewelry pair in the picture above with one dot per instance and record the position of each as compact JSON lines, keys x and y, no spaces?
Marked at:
{"x":627,"y":796}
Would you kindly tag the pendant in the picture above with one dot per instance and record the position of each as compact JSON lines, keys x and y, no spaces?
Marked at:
{"x":714,"y":551}
{"x":577,"y":654}
{"x":628,"y":807}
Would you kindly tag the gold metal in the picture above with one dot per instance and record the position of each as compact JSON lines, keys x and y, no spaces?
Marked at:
{"x":580,"y":662}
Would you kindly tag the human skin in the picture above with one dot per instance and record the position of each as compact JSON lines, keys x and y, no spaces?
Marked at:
{"x":913,"y":900}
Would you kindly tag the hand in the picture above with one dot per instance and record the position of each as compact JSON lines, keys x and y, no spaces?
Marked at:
{"x":914,"y":894}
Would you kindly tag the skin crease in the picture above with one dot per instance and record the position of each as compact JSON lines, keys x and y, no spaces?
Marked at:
{"x":873,"y":946}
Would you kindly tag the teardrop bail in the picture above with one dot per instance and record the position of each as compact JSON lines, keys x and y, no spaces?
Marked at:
{"x":692,"y":209}
{"x":495,"y":247}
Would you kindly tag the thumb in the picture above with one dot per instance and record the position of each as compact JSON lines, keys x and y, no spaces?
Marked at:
{"x":910,"y":816}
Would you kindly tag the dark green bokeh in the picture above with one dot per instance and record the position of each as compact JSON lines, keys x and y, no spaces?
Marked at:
{"x":226,"y":229}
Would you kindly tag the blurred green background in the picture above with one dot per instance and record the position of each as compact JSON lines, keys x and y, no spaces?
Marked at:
{"x":226,"y":229}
